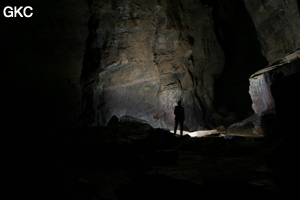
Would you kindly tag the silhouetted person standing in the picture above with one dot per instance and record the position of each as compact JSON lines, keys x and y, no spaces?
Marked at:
{"x":179,"y":117}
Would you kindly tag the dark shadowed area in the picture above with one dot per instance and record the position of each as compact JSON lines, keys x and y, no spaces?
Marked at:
{"x":89,"y":89}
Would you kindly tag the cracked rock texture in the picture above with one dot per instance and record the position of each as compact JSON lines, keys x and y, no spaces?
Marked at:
{"x":278,"y":26}
{"x":272,"y":96}
{"x":144,"y":56}
{"x":80,"y":63}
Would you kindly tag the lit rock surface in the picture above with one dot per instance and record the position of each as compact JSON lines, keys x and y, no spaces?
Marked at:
{"x":263,"y":86}
{"x":278,"y":26}
{"x":143,"y":56}
{"x":261,"y":81}
{"x":278,"y":30}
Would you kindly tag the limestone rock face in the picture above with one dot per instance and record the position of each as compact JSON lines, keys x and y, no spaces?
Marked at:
{"x":278,"y":26}
{"x":136,"y":58}
{"x":261,"y":81}
{"x":272,"y":99}
{"x":239,"y":40}
{"x":278,"y":30}
{"x":264,"y":85}
{"x":274,"y":91}
{"x":143,"y":56}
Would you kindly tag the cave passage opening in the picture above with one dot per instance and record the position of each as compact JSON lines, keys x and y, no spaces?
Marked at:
{"x":237,"y":36}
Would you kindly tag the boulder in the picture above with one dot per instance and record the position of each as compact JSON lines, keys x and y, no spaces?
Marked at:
{"x":263,"y":86}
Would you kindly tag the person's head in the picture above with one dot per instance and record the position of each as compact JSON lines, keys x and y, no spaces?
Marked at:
{"x":179,"y":102}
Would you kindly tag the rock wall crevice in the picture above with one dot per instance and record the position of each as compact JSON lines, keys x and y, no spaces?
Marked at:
{"x":143,"y":56}
{"x":242,"y":50}
{"x":137,"y":58}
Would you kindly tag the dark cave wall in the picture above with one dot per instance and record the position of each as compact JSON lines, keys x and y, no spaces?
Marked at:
{"x":243,"y":57}
{"x":202,"y":52}
{"x":253,"y":35}
{"x":287,"y":103}
{"x":278,"y":26}
{"x":42,"y":62}
{"x":86,"y":61}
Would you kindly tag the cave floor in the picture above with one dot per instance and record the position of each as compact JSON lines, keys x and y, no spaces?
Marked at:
{"x":162,"y":166}
{"x":190,"y":167}
{"x":194,"y":167}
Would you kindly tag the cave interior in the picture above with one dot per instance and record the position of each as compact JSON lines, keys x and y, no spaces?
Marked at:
{"x":89,"y":88}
